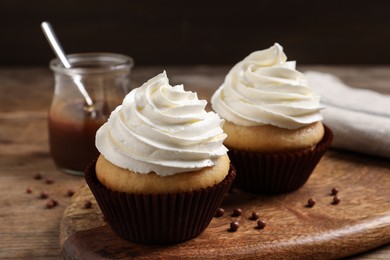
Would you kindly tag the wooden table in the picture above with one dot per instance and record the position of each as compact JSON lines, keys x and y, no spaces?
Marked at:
{"x":28,"y":230}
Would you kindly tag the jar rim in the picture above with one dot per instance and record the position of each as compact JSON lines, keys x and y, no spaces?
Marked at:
{"x":93,"y":63}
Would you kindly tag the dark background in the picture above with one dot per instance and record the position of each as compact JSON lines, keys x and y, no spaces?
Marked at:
{"x":198,"y":32}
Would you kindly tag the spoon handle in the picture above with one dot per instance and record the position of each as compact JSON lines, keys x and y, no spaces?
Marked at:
{"x":54,"y":43}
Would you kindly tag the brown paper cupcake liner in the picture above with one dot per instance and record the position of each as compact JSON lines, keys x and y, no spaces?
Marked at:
{"x":267,"y":173}
{"x":158,"y":218}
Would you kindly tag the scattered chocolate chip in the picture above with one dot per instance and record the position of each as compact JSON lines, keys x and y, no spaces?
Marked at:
{"x":70,"y":193}
{"x":219,"y":212}
{"x":28,"y":190}
{"x":87,"y":204}
{"x":336,"y":200}
{"x":334,"y":191}
{"x":237,"y":212}
{"x":311,"y":202}
{"x":234,"y":226}
{"x":38,"y":176}
{"x":44,"y":195}
{"x":260,"y":224}
{"x":255,"y":216}
{"x":51,"y":203}
{"x":49,"y":180}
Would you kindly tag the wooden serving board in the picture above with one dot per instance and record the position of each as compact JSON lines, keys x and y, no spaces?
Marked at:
{"x":360,"y":222}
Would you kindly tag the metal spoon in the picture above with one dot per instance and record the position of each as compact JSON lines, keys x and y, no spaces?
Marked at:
{"x":55,"y":45}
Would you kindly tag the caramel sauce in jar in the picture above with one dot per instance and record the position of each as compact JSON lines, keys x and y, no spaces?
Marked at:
{"x":72,"y":133}
{"x":73,"y":124}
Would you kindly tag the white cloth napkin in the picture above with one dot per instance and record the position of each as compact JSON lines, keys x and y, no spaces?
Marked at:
{"x":359,"y":118}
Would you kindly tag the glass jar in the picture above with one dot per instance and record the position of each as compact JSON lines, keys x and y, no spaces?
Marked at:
{"x":84,"y":97}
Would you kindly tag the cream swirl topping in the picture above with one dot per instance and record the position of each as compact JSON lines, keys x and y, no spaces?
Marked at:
{"x":163,"y":129}
{"x":265,"y":88}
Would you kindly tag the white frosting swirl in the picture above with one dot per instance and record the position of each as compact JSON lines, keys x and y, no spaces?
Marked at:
{"x":163,"y":129}
{"x":265,"y":88}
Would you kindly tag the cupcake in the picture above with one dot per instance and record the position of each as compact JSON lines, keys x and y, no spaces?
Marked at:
{"x":163,"y":170}
{"x":273,"y":122}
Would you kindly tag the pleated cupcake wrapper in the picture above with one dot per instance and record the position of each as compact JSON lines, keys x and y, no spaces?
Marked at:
{"x":158,"y":218}
{"x":267,"y":173}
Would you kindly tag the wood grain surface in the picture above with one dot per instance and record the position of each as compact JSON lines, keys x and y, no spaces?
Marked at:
{"x":28,"y":230}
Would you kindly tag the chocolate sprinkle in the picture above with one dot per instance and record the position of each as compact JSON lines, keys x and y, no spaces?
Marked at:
{"x":311,"y":202}
{"x":44,"y":195}
{"x":51,"y":203}
{"x":70,"y":193}
{"x":87,"y":204}
{"x":28,"y":190}
{"x":255,"y":216}
{"x":38,"y":176}
{"x":49,"y":180}
{"x":334,"y":191}
{"x":234,"y":226}
{"x":260,"y":224}
{"x":336,"y":200}
{"x":237,"y":212}
{"x":219,"y":212}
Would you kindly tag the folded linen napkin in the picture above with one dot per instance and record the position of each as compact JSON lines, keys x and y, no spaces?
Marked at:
{"x":359,"y":118}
